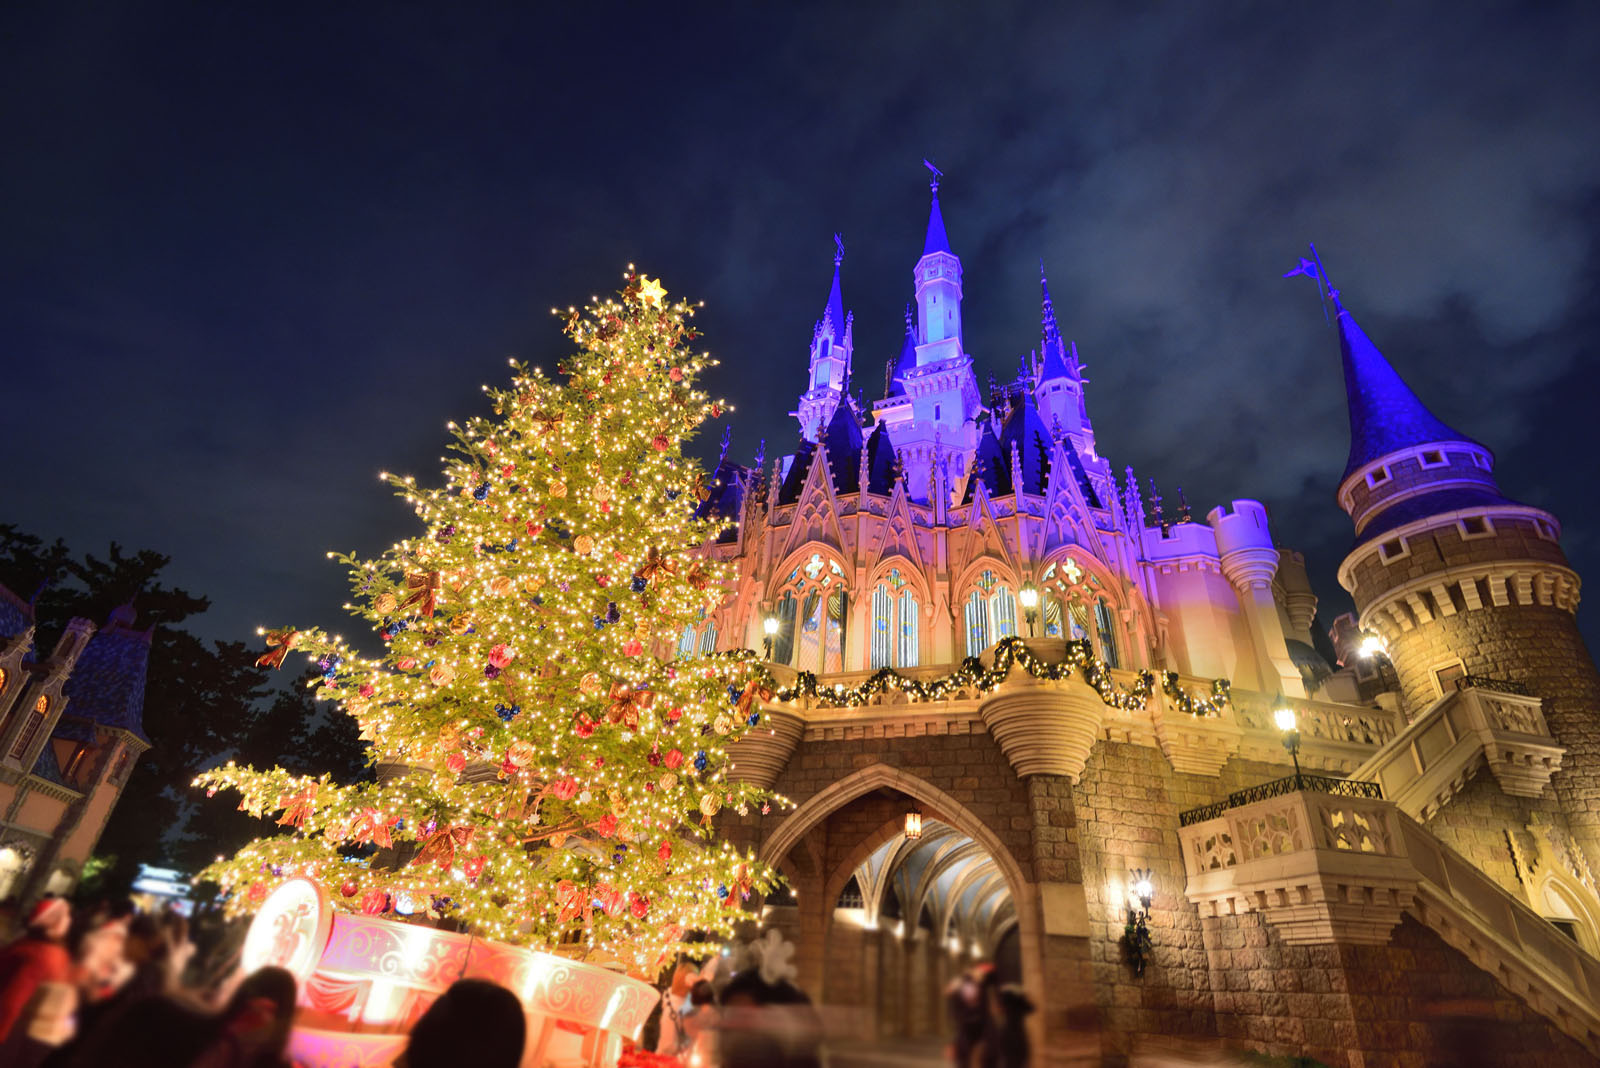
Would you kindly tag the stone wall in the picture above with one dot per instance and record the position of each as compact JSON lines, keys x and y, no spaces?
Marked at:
{"x":1534,"y":644}
{"x":1127,"y":805}
{"x":1475,"y":822}
{"x":1412,"y":1003}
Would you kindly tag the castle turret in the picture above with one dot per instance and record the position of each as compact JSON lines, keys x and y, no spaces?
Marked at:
{"x":1249,"y":562}
{"x":832,"y":345}
{"x":1455,"y":577}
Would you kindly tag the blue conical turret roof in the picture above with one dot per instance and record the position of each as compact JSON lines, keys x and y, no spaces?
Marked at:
{"x":1385,"y":416}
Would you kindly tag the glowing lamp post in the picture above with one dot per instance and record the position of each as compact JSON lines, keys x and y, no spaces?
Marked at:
{"x":1029,"y":596}
{"x":769,"y":627}
{"x":1284,"y":717}
{"x":1136,"y":941}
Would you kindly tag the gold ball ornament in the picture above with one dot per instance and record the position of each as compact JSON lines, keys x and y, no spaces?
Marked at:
{"x":521,"y":753}
{"x":583,"y":544}
{"x":385,"y":604}
{"x":668,"y":781}
{"x":722,"y":724}
{"x":558,"y":488}
{"x":501,"y":585}
{"x":710,"y":804}
{"x":442,"y":675}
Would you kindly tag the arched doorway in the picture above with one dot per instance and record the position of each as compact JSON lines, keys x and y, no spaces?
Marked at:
{"x":883,"y":920}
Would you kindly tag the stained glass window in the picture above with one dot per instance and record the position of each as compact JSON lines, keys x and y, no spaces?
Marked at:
{"x":708,"y":639}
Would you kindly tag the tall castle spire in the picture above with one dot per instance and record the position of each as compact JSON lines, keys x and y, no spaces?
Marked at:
{"x":936,"y":239}
{"x":832,"y":342}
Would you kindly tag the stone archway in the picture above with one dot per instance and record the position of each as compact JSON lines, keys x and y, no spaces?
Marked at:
{"x":857,"y":821}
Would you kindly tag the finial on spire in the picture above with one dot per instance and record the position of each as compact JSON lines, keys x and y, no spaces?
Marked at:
{"x":1155,"y":506}
{"x":838,"y":249}
{"x":933,"y":183}
{"x":1183,"y":508}
{"x":1314,"y":270}
{"x":908,"y":318}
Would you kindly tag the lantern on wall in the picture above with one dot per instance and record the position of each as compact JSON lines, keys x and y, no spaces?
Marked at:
{"x":913,"y":825}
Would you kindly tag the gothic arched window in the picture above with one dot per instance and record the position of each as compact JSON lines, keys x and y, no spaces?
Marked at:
{"x":708,"y":639}
{"x":894,"y":623}
{"x":1105,"y":624}
{"x":686,"y":643}
{"x":991,"y":613}
{"x":811,"y":617}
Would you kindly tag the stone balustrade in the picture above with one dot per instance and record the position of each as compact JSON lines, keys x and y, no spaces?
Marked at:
{"x":1324,"y":868}
{"x":1333,"y":737}
{"x":1438,"y":752}
{"x":1320,"y":867}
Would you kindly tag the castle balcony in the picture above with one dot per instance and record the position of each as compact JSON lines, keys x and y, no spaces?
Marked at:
{"x":1438,"y":753}
{"x":1336,"y":738}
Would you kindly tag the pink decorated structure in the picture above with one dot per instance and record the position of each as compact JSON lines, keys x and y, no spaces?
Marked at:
{"x":364,"y":981}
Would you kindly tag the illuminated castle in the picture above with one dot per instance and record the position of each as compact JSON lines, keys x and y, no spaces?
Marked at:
{"x":1432,"y":835}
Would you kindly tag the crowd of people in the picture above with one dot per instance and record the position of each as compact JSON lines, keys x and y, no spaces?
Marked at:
{"x":111,"y":987}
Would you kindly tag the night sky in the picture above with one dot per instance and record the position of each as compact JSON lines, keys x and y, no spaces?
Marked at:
{"x":255,"y":254}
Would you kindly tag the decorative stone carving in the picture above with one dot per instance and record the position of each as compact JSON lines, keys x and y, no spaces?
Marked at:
{"x":1045,"y":728}
{"x":1320,"y":868}
{"x":1198,"y":745}
{"x":761,"y":753}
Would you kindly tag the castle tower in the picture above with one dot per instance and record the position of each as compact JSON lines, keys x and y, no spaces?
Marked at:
{"x":932,"y":405}
{"x":832,"y":344}
{"x":1058,"y":389}
{"x":1456,"y":578}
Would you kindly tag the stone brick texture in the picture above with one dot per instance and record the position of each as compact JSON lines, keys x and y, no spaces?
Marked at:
{"x":1540,"y":646}
{"x":1413,"y":1003}
{"x":1476,"y":821}
{"x":1408,"y":473}
{"x":1127,"y":803}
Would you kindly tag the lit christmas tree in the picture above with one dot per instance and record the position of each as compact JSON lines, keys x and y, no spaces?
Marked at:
{"x":547,"y":772}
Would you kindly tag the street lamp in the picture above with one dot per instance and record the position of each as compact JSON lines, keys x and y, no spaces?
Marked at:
{"x":1284,"y":717}
{"x":769,"y":627}
{"x":1029,"y":596}
{"x":1136,"y":941}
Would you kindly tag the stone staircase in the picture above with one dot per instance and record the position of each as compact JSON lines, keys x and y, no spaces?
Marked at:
{"x":1437,"y":753}
{"x":1326,"y":861}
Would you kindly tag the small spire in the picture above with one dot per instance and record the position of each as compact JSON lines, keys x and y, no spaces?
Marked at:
{"x":1048,"y":314}
{"x":1183,"y":508}
{"x":834,"y":311}
{"x":1155,"y":506}
{"x":936,"y":241}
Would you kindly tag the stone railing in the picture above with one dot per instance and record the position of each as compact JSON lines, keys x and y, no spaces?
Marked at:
{"x":1322,"y":868}
{"x":1333,"y":737}
{"x":1504,"y":937}
{"x":1439,"y":751}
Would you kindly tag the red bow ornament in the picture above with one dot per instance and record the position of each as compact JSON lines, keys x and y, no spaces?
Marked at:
{"x":627,"y":704}
{"x":297,"y":807}
{"x":279,"y":642}
{"x":441,"y":846}
{"x":424,"y":587}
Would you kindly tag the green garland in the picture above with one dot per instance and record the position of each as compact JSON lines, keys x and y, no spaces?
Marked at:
{"x":1196,"y":706}
{"x":972,"y":675}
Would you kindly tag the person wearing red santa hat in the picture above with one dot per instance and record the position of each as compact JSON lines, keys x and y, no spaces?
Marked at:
{"x":37,"y":996}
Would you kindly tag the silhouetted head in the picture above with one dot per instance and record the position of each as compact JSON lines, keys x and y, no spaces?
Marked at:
{"x":481,"y":1014}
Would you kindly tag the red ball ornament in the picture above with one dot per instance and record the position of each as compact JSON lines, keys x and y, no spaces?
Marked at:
{"x":660,"y":442}
{"x":375,"y":903}
{"x":474,"y":867}
{"x":349,"y":888}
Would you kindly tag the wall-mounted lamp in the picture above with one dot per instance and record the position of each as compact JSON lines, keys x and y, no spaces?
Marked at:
{"x":769,"y":628}
{"x":913,"y":825}
{"x":1283,"y":716}
{"x":1371,"y":646}
{"x":1136,"y":936}
{"x":1029,"y":596}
